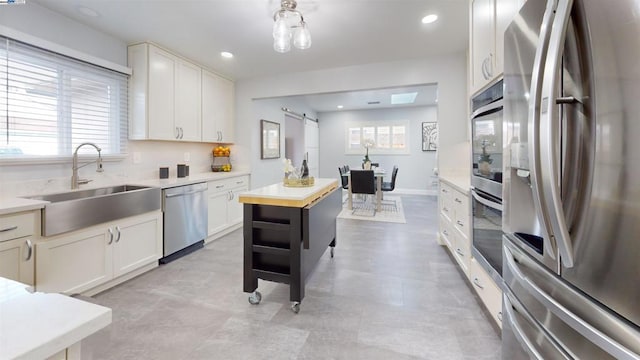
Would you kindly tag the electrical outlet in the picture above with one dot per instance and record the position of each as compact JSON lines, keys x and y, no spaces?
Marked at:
{"x":187,"y":156}
{"x":137,"y":157}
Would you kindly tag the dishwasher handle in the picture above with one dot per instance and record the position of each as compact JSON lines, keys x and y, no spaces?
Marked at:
{"x":184,"y":193}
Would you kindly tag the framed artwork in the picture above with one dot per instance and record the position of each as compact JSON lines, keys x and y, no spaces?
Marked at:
{"x":429,"y":136}
{"x":269,"y":140}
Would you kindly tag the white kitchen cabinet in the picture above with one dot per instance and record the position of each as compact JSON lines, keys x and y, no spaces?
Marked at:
{"x":16,"y":246}
{"x":454,"y":224}
{"x":489,"y":19}
{"x":488,"y":291}
{"x":225,"y":211}
{"x":218,"y":101}
{"x":164,"y":95}
{"x":81,"y":260}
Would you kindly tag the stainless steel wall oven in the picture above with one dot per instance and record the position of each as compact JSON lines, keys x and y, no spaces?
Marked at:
{"x":486,"y":179}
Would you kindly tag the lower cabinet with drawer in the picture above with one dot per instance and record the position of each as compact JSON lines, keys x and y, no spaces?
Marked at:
{"x":225,"y":212}
{"x":454,"y":224}
{"x":90,"y":260}
{"x":17,"y":240}
{"x":489,"y":292}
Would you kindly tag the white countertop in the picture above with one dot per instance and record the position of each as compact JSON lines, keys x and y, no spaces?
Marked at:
{"x":13,"y":204}
{"x":461,"y":182}
{"x":290,"y":195}
{"x":38,"y":325}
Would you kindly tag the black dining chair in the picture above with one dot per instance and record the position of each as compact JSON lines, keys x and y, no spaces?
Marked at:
{"x":363,"y":182}
{"x":375,"y":165}
{"x":390,"y":186}
{"x":343,"y":178}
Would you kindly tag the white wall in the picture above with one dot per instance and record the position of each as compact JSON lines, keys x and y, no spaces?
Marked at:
{"x":448,"y":72}
{"x":415,"y":169}
{"x":45,"y":24}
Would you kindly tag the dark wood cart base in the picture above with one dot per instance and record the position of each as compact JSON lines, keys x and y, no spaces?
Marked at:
{"x":283,"y":244}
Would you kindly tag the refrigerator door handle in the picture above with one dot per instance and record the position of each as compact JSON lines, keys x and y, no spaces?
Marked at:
{"x":510,"y":307}
{"x":534,"y":120}
{"x":584,"y":328}
{"x":549,"y":136}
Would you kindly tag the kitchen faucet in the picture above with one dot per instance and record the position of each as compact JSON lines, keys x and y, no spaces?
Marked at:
{"x":75,"y":182}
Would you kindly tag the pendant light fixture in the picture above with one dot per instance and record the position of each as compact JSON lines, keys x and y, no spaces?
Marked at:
{"x":284,"y":21}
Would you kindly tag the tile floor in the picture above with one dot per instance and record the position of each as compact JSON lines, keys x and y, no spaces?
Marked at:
{"x":390,"y":293}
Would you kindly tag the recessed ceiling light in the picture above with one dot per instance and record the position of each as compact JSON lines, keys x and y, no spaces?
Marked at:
{"x":340,"y":106}
{"x":406,"y":98}
{"x":429,"y":18}
{"x":226,"y":54}
{"x":88,"y":11}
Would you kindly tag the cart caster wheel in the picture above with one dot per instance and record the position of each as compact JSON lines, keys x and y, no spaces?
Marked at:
{"x":331,"y":252}
{"x":295,"y":307}
{"x":255,"y":297}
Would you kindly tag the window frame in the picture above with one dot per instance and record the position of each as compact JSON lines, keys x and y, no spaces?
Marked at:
{"x":390,"y":124}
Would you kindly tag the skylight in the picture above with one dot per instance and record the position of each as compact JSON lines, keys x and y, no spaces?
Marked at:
{"x":405,"y":98}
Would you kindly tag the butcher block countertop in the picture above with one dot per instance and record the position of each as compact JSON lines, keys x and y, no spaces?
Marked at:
{"x":280,"y":195}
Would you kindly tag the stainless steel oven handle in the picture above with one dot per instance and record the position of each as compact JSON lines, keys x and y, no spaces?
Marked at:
{"x":599,"y":338}
{"x":486,"y":202}
{"x":488,"y":109}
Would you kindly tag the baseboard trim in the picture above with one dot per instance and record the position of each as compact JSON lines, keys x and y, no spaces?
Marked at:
{"x":433,"y":192}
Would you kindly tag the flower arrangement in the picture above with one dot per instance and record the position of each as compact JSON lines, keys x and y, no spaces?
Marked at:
{"x":485,"y":157}
{"x":368,"y":143}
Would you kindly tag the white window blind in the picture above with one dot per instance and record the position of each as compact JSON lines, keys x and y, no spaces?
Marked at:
{"x":50,"y":103}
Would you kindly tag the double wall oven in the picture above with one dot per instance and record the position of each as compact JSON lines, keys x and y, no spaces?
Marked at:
{"x":486,"y":179}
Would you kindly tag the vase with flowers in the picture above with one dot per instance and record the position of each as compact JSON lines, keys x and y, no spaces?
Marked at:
{"x":485,"y":160}
{"x":367,"y":143}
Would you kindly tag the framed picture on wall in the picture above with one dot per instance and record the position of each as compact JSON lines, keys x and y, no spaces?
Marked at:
{"x":269,"y":139}
{"x":429,"y":136}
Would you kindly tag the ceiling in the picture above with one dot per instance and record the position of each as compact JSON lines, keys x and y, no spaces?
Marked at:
{"x":360,"y":100}
{"x":344,"y":32}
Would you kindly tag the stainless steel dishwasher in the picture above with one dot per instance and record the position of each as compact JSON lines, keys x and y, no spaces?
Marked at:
{"x":185,"y":220}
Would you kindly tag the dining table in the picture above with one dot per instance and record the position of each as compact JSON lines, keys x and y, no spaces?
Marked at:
{"x":378,"y":173}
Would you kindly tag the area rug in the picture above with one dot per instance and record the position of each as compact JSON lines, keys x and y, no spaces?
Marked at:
{"x":389,"y":213}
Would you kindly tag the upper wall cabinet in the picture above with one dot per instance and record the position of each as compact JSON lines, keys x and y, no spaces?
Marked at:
{"x":173,"y":99}
{"x":489,"y":20}
{"x":217,"y":108}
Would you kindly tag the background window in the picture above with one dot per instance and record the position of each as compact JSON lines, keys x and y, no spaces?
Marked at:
{"x":390,"y":137}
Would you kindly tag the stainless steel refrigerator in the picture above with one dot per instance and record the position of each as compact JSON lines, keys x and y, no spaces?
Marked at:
{"x":571,"y":216}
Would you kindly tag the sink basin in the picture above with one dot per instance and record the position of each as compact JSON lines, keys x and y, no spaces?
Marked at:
{"x":75,"y":210}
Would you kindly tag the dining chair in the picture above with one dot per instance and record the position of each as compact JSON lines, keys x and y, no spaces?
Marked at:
{"x":363,"y":182}
{"x":390,"y":186}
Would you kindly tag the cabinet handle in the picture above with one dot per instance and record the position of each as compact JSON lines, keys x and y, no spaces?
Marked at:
{"x":110,"y":236}
{"x":219,"y":135}
{"x":490,"y":66}
{"x":460,"y":223}
{"x":239,"y":182}
{"x":499,"y":316}
{"x":444,"y":208}
{"x":219,"y":186}
{"x":29,"y":250}
{"x":118,"y":229}
{"x":181,"y":133}
{"x":177,"y":132}
{"x":476,"y":282}
{"x":458,"y":201}
{"x":233,"y":195}
{"x":444,"y":191}
{"x":9,"y":228}
{"x":459,"y":252}
{"x":445,"y":232}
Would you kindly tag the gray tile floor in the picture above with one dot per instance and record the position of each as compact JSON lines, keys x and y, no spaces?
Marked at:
{"x":390,"y":293}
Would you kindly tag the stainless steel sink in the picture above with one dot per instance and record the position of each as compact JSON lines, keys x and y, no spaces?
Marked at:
{"x":80,"y":209}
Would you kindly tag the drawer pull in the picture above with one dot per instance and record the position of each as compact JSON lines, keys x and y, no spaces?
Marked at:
{"x":459,"y":252}
{"x":9,"y":228}
{"x":239,"y":182}
{"x":444,"y":208}
{"x":458,"y":201}
{"x":445,"y":191}
{"x":219,"y":186}
{"x":499,"y":316}
{"x":460,"y":223}
{"x":476,"y":282}
{"x":445,"y":232}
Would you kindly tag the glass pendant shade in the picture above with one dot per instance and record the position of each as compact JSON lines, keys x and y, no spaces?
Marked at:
{"x":281,"y":28}
{"x":282,"y":44}
{"x":302,"y":37}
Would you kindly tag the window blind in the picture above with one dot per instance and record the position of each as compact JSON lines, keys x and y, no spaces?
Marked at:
{"x":50,"y":104}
